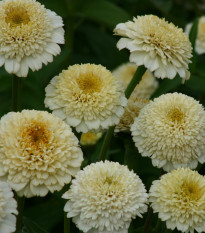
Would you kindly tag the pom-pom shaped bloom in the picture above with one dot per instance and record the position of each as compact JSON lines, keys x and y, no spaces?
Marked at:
{"x":200,"y":39}
{"x":134,"y":106}
{"x":38,"y":152}
{"x":158,"y":45}
{"x":29,"y":35}
{"x":8,"y":207}
{"x":146,"y":86}
{"x":105,"y":197}
{"x":90,"y":138}
{"x":171,"y":130}
{"x":179,"y":198}
{"x":87,"y":96}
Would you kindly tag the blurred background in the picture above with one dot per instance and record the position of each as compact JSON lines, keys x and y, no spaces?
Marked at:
{"x":89,"y":38}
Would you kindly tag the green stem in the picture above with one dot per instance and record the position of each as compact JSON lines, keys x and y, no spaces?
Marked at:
{"x":148,"y":220}
{"x":135,"y":80}
{"x":157,"y":228}
{"x":66,"y":223}
{"x":15,"y":93}
{"x":130,"y":88}
{"x":20,"y":207}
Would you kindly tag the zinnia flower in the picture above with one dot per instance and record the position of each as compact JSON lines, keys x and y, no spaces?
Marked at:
{"x":90,"y":138}
{"x":179,"y":198}
{"x":87,"y":96}
{"x":8,"y":207}
{"x":132,"y":110}
{"x":29,"y":35}
{"x":200,"y":39}
{"x":171,"y":130}
{"x":160,"y":46}
{"x":38,"y":152}
{"x":146,"y":86}
{"x":105,"y":197}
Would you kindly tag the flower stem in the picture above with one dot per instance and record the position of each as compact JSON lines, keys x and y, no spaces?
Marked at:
{"x":15,"y":93}
{"x":66,"y":224}
{"x":135,"y":80}
{"x":148,"y":220}
{"x":130,"y":88}
{"x":20,"y":207}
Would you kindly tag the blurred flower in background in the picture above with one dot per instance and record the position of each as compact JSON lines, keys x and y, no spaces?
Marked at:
{"x":179,"y":199}
{"x":8,"y":207}
{"x":38,"y":152}
{"x":90,"y":138}
{"x":88,"y":97}
{"x":171,"y":131}
{"x":160,"y":46}
{"x":29,"y":36}
{"x":104,"y":197}
{"x":200,"y":39}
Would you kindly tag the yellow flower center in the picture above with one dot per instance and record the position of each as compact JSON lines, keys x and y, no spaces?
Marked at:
{"x":36,"y":136}
{"x":17,"y":16}
{"x":89,"y":83}
{"x":175,"y":115}
{"x":191,"y":191}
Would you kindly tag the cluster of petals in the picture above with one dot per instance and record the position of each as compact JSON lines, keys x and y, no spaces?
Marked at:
{"x":147,"y":85}
{"x":171,"y":130}
{"x":104,"y":197}
{"x":29,"y":35}
{"x":179,"y":199}
{"x":160,"y":46}
{"x":8,"y":209}
{"x":88,"y":97}
{"x":38,"y":152}
{"x":200,"y":39}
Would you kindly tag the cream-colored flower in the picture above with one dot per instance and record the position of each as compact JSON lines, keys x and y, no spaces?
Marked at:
{"x":38,"y":152}
{"x":104,"y":198}
{"x":200,"y":39}
{"x":8,"y":207}
{"x":171,"y":130}
{"x":90,"y":138}
{"x":160,"y":46}
{"x":29,"y":35}
{"x":179,"y":198}
{"x":146,"y":86}
{"x":132,"y":110}
{"x":87,"y":96}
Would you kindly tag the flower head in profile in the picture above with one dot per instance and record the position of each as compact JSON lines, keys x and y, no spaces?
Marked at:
{"x":90,"y":138}
{"x":179,"y":199}
{"x":200,"y":39}
{"x":87,"y":96}
{"x":104,"y":197}
{"x":8,"y":207}
{"x":171,"y":131}
{"x":132,"y":110}
{"x":160,"y":46}
{"x":146,"y":86}
{"x":38,"y":152}
{"x":29,"y":35}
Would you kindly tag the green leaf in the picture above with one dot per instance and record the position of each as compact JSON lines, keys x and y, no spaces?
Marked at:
{"x":32,"y":227}
{"x":104,"y":11}
{"x":196,"y":82}
{"x":163,"y":5}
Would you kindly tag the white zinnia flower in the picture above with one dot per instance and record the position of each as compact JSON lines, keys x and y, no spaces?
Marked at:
{"x":132,"y":110}
{"x":200,"y":39}
{"x":171,"y":130}
{"x":29,"y":35}
{"x":38,"y":152}
{"x":160,"y":46}
{"x":179,"y":198}
{"x":8,"y":207}
{"x":105,"y":197}
{"x":87,"y":96}
{"x":147,"y":85}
